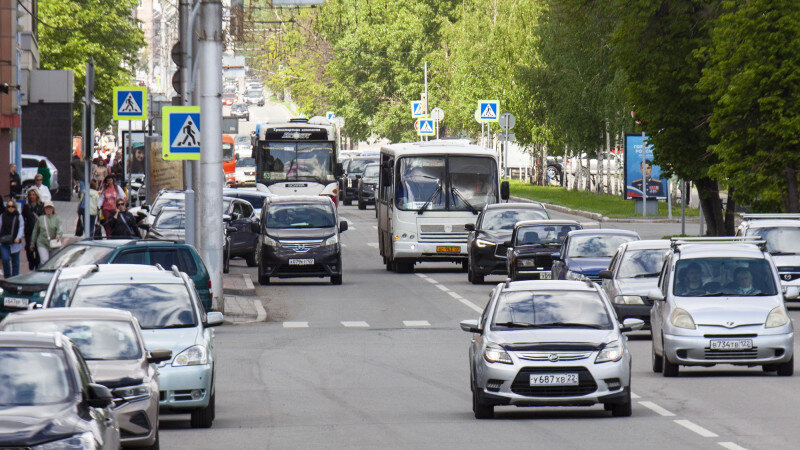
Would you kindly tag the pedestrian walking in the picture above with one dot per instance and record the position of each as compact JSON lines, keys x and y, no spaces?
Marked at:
{"x":122,"y":223}
{"x":44,"y":171}
{"x":11,"y":232}
{"x":31,"y":211}
{"x":99,"y":170}
{"x":94,"y":200}
{"x":109,"y":195}
{"x":44,"y":191}
{"x":16,"y":182}
{"x":47,"y":232}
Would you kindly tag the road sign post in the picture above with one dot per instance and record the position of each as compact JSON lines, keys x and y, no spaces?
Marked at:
{"x":437,"y":114}
{"x":180,"y":133}
{"x":507,"y":122}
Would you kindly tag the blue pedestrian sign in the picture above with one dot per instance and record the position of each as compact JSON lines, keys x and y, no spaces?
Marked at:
{"x":181,"y":132}
{"x":426,"y":127}
{"x":489,"y":110}
{"x":417,"y":109}
{"x":130,"y":103}
{"x":330,"y":115}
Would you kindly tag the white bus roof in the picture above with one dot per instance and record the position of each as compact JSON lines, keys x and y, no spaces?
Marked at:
{"x":262,"y":127}
{"x":437,"y":147}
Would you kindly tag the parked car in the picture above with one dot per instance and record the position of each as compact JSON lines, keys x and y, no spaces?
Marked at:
{"x":366,"y":186}
{"x":111,"y":342}
{"x":782,"y":235}
{"x":300,"y":238}
{"x":632,"y":273}
{"x":532,"y":246}
{"x":585,"y":253}
{"x":49,"y":397}
{"x":488,"y":237}
{"x":30,"y":167}
{"x":169,"y":311}
{"x":549,"y":343}
{"x":348,"y":183}
{"x":240,"y":111}
{"x":720,"y":301}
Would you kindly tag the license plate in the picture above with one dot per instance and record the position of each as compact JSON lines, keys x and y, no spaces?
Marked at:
{"x":554,"y":379}
{"x":301,"y":262}
{"x":15,"y":302}
{"x":296,"y":185}
{"x":442,"y":249}
{"x":731,"y":344}
{"x":545,"y":275}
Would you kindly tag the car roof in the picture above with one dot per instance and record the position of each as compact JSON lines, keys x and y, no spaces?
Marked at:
{"x":31,"y":339}
{"x":300,"y":199}
{"x":647,"y":244}
{"x":113,"y":243}
{"x":230,"y":192}
{"x":770,"y":223}
{"x":99,"y":274}
{"x":515,"y":205}
{"x":532,"y":223}
{"x":603,"y":231}
{"x":549,"y":285}
{"x":91,"y":313}
{"x":726,"y":250}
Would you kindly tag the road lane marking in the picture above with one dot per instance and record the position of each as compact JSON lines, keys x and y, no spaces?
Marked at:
{"x":442,"y":287}
{"x":471,"y":305}
{"x":696,"y":428}
{"x":416,"y":323}
{"x":431,"y":281}
{"x":421,"y":275}
{"x":374,"y":227}
{"x":656,"y":409}
{"x":634,"y":395}
{"x":295,"y":324}
{"x":355,"y":324}
{"x":731,"y":445}
{"x":455,"y":295}
{"x":373,"y":244}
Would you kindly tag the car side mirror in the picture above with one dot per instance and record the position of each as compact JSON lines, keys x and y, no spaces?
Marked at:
{"x":505,"y":190}
{"x":342,"y":226}
{"x":792,"y":293}
{"x":655,"y":294}
{"x":605,"y":274}
{"x":214,"y":318}
{"x":470,"y":326}
{"x":98,"y":396}
{"x":469,"y":226}
{"x":158,"y":355}
{"x":631,"y":324}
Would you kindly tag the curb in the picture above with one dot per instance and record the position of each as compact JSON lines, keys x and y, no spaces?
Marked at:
{"x":599,"y":217}
{"x":261,"y":315}
{"x":249,"y":290}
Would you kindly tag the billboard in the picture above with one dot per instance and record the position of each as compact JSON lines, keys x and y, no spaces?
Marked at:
{"x":640,"y":172}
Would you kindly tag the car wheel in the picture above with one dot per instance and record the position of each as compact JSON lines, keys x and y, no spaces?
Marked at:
{"x":204,"y":417}
{"x":263,"y":279}
{"x":475,"y":278}
{"x":656,"y":359}
{"x":786,"y":369}
{"x":481,"y":409}
{"x":669,"y":369}
{"x":622,"y":409}
{"x":336,"y":279}
{"x":465,"y":265}
{"x":252,"y":259}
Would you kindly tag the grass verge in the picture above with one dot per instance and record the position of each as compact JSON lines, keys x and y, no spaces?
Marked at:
{"x":607,"y":205}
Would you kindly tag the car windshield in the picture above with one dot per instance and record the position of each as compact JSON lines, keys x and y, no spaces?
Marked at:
{"x":163,"y":202}
{"x":714,"y":277}
{"x":76,"y":255}
{"x":642,"y":263}
{"x":446,"y":183}
{"x":170,"y":220}
{"x":371,"y":171}
{"x":155,"y":305}
{"x":780,"y":240}
{"x":293,"y":215}
{"x":543,"y":234}
{"x":357,"y":165}
{"x":551,"y":309}
{"x":497,"y":219}
{"x":96,"y":339}
{"x":246,"y":162}
{"x":33,"y":377}
{"x":597,"y":246}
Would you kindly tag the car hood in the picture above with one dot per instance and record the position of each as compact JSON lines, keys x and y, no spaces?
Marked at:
{"x":302,"y":233}
{"x":498,"y":236}
{"x":589,"y":266}
{"x":118,"y":373}
{"x":30,"y":425}
{"x":636,"y":286}
{"x":530,"y":339}
{"x":728,"y":311}
{"x":175,"y":339}
{"x":35,"y":277}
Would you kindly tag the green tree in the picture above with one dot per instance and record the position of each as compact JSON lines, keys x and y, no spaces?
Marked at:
{"x":103,"y":29}
{"x":753,"y":77}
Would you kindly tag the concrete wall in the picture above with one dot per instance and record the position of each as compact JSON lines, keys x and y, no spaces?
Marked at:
{"x":47,"y":131}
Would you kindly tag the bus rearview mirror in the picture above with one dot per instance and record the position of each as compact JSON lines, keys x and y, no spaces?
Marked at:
{"x":505,"y":190}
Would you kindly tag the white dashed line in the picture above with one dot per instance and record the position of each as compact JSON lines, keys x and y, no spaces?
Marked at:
{"x":431,"y":281}
{"x":373,"y":244}
{"x":421,"y":275}
{"x":295,"y":324}
{"x":416,"y":323}
{"x":696,"y":428}
{"x":656,"y":409}
{"x":374,"y":227}
{"x":471,"y":305}
{"x":356,"y":324}
{"x":731,"y":445}
{"x":634,"y":396}
{"x":442,"y":287}
{"x":455,"y":295}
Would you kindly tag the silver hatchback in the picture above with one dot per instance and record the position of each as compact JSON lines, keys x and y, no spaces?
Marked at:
{"x":549,"y":343}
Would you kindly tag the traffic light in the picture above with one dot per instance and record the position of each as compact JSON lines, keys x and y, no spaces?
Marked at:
{"x":177,"y":57}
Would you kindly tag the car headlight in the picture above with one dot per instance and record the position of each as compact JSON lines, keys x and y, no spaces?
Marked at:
{"x":333,"y":240}
{"x":628,"y":300}
{"x":681,"y":319}
{"x":78,"y":441}
{"x":481,"y":243}
{"x":526,"y":262}
{"x":611,"y":352}
{"x":195,"y":355}
{"x":776,"y":318}
{"x":268,"y":241}
{"x":2,"y":291}
{"x":131,"y":392}
{"x":497,"y":355}
{"x":575,"y":276}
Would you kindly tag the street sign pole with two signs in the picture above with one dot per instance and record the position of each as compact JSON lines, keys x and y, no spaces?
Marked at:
{"x":130,"y":103}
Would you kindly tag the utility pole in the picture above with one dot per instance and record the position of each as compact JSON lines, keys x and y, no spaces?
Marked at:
{"x":88,"y":143}
{"x":185,"y":26}
{"x":209,"y":204}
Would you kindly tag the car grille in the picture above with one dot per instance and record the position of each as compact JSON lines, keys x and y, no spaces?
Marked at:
{"x":789,"y":273}
{"x":522,"y":385}
{"x":439,"y":233}
{"x":22,"y":289}
{"x":718,"y":355}
{"x":562,"y":356}
{"x":301,"y":246}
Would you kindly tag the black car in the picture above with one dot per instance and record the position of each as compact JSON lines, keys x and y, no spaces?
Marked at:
{"x":532,"y":245}
{"x":366,"y":186}
{"x":48,"y":396}
{"x":300,"y":238}
{"x":486,"y":243}
{"x":353,"y":169}
{"x":242,"y":227}
{"x":240,"y":111}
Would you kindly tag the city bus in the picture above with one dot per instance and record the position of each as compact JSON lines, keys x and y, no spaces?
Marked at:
{"x":228,"y":157}
{"x":297,"y":158}
{"x":427,"y":192}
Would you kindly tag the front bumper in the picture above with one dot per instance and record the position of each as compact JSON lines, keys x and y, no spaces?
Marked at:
{"x":178,"y":384}
{"x":138,"y":419}
{"x":327,"y":261}
{"x":486,"y":262}
{"x":427,"y":251}
{"x":695,"y":350}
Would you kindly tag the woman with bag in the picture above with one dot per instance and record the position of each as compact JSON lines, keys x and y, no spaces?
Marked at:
{"x":30,"y":213}
{"x":47,"y":232}
{"x":109,"y":196}
{"x":11,"y":230}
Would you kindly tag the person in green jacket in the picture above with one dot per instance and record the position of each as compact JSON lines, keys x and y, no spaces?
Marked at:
{"x":45,"y":171}
{"x":47,"y":233}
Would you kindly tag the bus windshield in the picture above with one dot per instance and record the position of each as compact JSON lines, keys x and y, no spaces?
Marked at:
{"x":227,"y":151}
{"x":446,"y":183}
{"x":295,"y":161}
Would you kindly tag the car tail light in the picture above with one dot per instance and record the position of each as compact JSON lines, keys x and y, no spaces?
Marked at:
{"x":210,"y":292}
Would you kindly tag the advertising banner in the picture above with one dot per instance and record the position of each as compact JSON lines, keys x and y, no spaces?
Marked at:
{"x":640,"y":172}
{"x":163,"y":174}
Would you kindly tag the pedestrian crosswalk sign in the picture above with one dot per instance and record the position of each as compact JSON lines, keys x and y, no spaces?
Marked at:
{"x":426,"y":127}
{"x":489,"y":110}
{"x":181,"y":133}
{"x":417,"y":109}
{"x":130,"y":103}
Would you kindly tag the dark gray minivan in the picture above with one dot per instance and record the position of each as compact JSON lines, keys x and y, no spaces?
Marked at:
{"x":300,"y":238}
